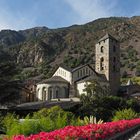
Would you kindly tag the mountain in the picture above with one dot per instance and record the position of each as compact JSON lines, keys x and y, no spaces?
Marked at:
{"x":40,"y":50}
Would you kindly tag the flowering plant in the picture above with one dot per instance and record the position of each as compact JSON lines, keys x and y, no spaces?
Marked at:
{"x":90,"y":132}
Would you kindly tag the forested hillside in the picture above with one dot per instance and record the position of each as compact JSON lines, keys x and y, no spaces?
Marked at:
{"x":38,"y":51}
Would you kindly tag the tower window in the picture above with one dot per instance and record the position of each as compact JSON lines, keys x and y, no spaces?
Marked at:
{"x":102,"y":63}
{"x":114,"y":68}
{"x":114,"y":48}
{"x":102,"y":49}
{"x":114,"y":59}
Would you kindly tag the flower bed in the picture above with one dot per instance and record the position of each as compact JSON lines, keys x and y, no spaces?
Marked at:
{"x":89,"y":132}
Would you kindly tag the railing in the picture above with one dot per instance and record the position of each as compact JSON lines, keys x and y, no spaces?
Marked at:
{"x":126,"y":134}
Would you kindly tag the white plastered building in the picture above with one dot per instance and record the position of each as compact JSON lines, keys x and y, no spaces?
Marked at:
{"x":67,"y":83}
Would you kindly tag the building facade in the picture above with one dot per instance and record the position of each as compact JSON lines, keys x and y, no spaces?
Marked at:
{"x":65,"y":83}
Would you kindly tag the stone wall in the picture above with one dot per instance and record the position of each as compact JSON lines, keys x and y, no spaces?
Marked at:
{"x":108,"y":62}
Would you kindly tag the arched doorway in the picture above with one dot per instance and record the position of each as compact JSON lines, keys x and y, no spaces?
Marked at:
{"x":57,"y":92}
{"x":50,"y":93}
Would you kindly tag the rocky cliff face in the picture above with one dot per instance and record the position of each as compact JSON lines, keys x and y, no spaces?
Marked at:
{"x":43,"y":49}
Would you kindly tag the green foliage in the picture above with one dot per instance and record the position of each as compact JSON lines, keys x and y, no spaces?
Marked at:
{"x":135,"y":80}
{"x":43,"y":120}
{"x":29,"y":126}
{"x":95,"y":90}
{"x":125,"y":114}
{"x":90,"y":120}
{"x":8,"y":84}
{"x":9,"y":122}
{"x":46,"y":124}
{"x":104,"y":108}
{"x":57,"y":116}
{"x":132,"y":53}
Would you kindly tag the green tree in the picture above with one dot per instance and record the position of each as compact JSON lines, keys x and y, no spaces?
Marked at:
{"x":8,"y":85}
{"x":95,"y":90}
{"x":104,"y":107}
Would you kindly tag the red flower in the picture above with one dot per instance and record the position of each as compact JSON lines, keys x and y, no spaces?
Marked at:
{"x":90,"y":132}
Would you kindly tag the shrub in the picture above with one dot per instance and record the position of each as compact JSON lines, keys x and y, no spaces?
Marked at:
{"x":9,"y":122}
{"x":28,"y":127}
{"x":87,"y":132}
{"x":125,"y":114}
{"x":102,"y":108}
{"x":90,"y":120}
{"x":43,"y":120}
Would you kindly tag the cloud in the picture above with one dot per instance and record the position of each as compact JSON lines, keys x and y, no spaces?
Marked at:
{"x":15,"y":20}
{"x":22,"y":14}
{"x":92,"y":9}
{"x":8,"y":21}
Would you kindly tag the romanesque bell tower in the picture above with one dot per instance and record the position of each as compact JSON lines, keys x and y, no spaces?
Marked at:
{"x":108,"y":61}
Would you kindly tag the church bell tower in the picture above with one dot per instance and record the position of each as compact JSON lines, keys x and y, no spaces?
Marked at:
{"x":108,"y":61}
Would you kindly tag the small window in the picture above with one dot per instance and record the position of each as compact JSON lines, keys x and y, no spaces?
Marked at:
{"x":114,"y":48}
{"x":89,"y":72}
{"x":83,"y":72}
{"x":114,"y":68}
{"x":114,"y":59}
{"x":102,"y":49}
{"x":86,"y":70}
{"x":102,"y":63}
{"x":78,"y":75}
{"x":56,"y":93}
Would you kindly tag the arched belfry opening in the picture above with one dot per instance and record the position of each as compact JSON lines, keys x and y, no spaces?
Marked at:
{"x":102,"y":63}
{"x":102,"y":49}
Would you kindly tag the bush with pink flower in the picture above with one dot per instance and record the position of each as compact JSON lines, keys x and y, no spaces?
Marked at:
{"x":90,"y":132}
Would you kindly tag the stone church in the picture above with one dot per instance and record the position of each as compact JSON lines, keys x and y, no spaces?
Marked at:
{"x":68,"y":83}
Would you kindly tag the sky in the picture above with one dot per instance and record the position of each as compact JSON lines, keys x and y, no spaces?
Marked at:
{"x":24,"y":14}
